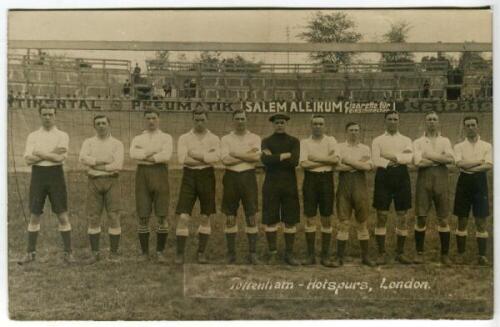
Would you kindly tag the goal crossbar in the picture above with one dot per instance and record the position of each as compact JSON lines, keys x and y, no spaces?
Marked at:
{"x":250,"y":46}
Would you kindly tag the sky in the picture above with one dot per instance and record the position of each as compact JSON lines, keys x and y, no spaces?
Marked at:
{"x":448,"y":25}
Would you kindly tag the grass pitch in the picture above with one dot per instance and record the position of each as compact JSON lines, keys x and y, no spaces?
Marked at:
{"x":147,"y":291}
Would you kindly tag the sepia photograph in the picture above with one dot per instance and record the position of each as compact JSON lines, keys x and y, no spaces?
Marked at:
{"x":250,"y":164}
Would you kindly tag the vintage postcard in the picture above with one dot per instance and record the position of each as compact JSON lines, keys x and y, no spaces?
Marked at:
{"x":243,"y":164}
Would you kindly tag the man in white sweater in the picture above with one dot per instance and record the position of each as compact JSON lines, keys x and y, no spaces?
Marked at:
{"x":391,"y":153}
{"x":46,"y":150}
{"x":103,"y":155}
{"x":198,"y":150}
{"x":152,"y":150}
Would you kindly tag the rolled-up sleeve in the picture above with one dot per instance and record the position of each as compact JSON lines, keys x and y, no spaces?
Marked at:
{"x":136,"y":152}
{"x":212,"y":154}
{"x":166,"y":150}
{"x":118,"y":154}
{"x":378,"y":161}
{"x":85,"y":154}
{"x":406,"y":156}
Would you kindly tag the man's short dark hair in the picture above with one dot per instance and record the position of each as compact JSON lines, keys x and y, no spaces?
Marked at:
{"x":102,"y":116}
{"x":317,"y":116}
{"x":151,"y":111}
{"x":349,"y":124}
{"x":46,"y":107}
{"x":469,"y":118}
{"x":390,"y":112}
{"x":200,"y":111}
{"x":239,"y":111}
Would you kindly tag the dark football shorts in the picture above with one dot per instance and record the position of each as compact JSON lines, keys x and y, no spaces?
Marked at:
{"x":352,"y":195}
{"x":239,"y":186}
{"x":392,"y":183}
{"x":318,"y":193}
{"x":48,"y":181}
{"x":197,"y":184}
{"x":152,"y":188}
{"x":280,"y":199}
{"x":472,"y":191}
{"x":432,"y":187}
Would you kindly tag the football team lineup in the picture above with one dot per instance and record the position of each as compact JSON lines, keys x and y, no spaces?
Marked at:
{"x":319,"y":156}
{"x":265,"y":175}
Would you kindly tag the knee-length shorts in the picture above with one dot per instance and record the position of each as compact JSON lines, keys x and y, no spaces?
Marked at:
{"x":48,"y":182}
{"x":240,"y":186}
{"x":392,"y":184}
{"x":318,"y":193}
{"x":472,"y":192}
{"x":197,"y":184}
{"x":432,"y":187}
{"x":352,"y":195}
{"x":280,"y":199}
{"x":152,"y":190}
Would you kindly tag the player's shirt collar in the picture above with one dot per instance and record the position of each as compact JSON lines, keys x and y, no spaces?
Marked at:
{"x":437,"y":136}
{"x":53,"y":129}
{"x":156,"y":131}
{"x":478,"y":140}
{"x":194,"y":134}
{"x":324,"y":137}
{"x":246,"y":133}
{"x":355,"y":145}
{"x":108,"y":137}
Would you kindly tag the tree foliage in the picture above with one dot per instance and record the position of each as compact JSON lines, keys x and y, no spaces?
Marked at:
{"x":397,"y":33}
{"x":437,"y":63}
{"x":160,"y":61}
{"x":238,"y":63}
{"x":210,"y":57}
{"x":162,"y":55}
{"x":337,"y":27}
{"x":472,"y":61}
{"x":213,"y":61}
